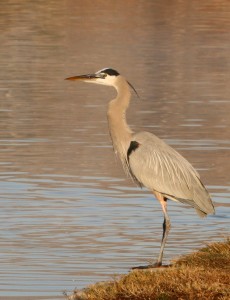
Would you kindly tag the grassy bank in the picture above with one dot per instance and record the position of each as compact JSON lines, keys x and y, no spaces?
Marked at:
{"x":204,"y":274}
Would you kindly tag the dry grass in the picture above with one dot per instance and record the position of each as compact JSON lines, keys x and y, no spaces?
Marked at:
{"x":201,"y":275}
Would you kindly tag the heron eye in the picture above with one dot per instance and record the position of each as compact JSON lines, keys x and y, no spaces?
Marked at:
{"x":103,"y":75}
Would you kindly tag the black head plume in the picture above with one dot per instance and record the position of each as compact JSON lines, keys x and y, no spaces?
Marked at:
{"x":109,"y":71}
{"x":133,"y":89}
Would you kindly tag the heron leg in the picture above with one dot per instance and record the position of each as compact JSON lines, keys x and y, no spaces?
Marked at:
{"x":166,"y":227}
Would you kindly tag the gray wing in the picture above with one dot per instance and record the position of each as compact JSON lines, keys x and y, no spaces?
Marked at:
{"x":159,"y":167}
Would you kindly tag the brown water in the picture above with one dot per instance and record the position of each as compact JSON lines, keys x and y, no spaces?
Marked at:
{"x":68,"y":216}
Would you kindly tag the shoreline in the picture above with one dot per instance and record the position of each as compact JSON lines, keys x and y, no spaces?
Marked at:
{"x":203,"y":274}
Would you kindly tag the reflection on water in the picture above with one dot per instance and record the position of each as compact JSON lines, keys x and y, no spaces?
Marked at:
{"x":68,"y":216}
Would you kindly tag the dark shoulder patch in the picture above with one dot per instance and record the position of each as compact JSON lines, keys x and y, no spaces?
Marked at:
{"x":110,"y":72}
{"x":132,"y":147}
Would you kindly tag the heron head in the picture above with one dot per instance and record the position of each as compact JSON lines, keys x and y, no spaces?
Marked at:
{"x":105,"y":76}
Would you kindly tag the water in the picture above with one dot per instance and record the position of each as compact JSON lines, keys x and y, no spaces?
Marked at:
{"x":68,"y":216}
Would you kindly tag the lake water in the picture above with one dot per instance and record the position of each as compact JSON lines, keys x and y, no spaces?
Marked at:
{"x":69,"y":216}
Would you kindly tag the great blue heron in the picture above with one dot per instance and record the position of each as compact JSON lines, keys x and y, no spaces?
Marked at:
{"x":148,"y":160}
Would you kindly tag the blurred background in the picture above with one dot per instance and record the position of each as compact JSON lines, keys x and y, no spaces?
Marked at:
{"x":68,"y":215}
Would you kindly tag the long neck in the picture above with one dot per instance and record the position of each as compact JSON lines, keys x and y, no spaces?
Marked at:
{"x":118,"y":127}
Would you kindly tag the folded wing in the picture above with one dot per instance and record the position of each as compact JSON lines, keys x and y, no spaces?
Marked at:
{"x":159,"y":167}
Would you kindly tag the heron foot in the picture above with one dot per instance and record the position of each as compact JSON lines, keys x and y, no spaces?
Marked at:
{"x":152,"y":266}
